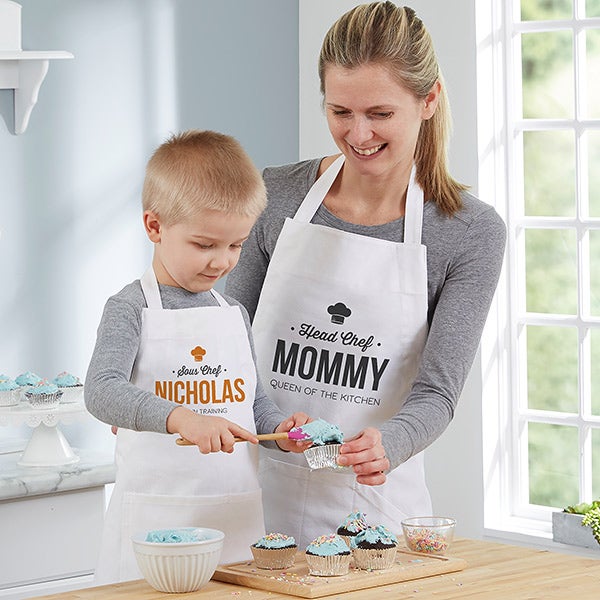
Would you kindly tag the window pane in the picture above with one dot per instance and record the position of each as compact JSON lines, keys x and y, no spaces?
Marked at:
{"x":551,"y":271}
{"x":553,"y":465}
{"x":594,"y":172}
{"x":595,"y":342}
{"x":592,"y":8}
{"x":596,"y":464}
{"x":552,"y":368}
{"x":543,"y":10}
{"x":547,"y":63}
{"x":595,"y":273}
{"x":592,"y":38}
{"x":549,"y":175}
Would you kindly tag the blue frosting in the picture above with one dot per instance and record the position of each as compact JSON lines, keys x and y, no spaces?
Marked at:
{"x":321,"y":432}
{"x":172,"y":536}
{"x":373,"y":535}
{"x":65,"y":379}
{"x":43,"y":387}
{"x":275,"y":540}
{"x":7,"y":384}
{"x":328,"y":545}
{"x":354,"y":522}
{"x":28,"y":378}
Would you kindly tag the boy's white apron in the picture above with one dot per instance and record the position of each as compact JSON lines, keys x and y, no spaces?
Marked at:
{"x":352,"y":365}
{"x":162,"y":485}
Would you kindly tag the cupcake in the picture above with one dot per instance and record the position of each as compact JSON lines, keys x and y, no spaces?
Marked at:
{"x":9,"y":391}
{"x":274,"y":551}
{"x":374,"y":548}
{"x":27,"y":379}
{"x":327,"y":440}
{"x":70,"y":386}
{"x":351,"y":525}
{"x":328,"y":555}
{"x":43,"y":395}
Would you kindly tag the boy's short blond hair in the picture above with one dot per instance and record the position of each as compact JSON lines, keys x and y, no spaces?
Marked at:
{"x":196,"y":170}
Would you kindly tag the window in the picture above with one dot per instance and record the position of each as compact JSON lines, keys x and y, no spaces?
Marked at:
{"x":539,"y":87}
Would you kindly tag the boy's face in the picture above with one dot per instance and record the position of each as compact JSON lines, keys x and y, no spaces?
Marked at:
{"x":197,"y":252}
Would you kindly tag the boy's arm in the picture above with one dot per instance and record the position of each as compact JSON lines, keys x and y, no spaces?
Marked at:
{"x":109,"y":395}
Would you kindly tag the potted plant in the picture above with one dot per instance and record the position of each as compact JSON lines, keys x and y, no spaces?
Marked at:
{"x":578,"y":525}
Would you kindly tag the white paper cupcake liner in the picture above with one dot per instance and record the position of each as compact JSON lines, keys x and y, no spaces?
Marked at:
{"x":9,"y":397}
{"x":71,"y":394}
{"x":324,"y":457}
{"x":43,"y":401}
{"x":375,"y":559}
{"x":328,"y":566}
{"x":274,"y":558}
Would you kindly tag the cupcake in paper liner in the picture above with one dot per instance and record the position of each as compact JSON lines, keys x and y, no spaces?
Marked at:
{"x":327,"y":440}
{"x":354,"y":523}
{"x":9,"y":391}
{"x":44,"y":395}
{"x":27,"y":380}
{"x":328,"y":556}
{"x":274,"y":551}
{"x":70,"y":386}
{"x":374,"y":548}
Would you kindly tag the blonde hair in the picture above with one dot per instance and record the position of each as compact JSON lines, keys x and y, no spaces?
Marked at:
{"x":393,"y":36}
{"x":196,"y":170}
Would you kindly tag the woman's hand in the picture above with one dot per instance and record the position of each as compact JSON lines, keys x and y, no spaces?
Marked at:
{"x":210,"y":434}
{"x":296,"y":420}
{"x":366,"y":454}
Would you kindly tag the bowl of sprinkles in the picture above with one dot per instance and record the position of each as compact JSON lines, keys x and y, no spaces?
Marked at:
{"x":428,"y":535}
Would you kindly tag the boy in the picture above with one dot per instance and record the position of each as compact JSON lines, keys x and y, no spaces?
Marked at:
{"x":174,"y":357}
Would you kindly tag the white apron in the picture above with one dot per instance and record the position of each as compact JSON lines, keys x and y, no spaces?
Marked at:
{"x":339,"y":331}
{"x":162,"y":485}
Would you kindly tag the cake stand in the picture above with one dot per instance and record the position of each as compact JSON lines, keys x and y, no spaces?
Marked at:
{"x":47,"y":446}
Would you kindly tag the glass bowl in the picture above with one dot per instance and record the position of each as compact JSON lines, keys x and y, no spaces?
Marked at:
{"x":428,"y":535}
{"x":176,"y":567}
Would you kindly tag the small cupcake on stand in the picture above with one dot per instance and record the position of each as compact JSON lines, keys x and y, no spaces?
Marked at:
{"x":27,"y":380}
{"x":9,"y":391}
{"x":44,"y":395}
{"x":70,"y":386}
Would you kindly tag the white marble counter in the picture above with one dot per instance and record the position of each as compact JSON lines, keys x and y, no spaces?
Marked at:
{"x":93,"y":469}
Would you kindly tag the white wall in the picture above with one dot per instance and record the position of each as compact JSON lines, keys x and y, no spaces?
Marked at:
{"x":453,"y":462}
{"x":69,"y":186}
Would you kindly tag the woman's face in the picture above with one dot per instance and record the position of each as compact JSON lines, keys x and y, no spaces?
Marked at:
{"x":373,"y":119}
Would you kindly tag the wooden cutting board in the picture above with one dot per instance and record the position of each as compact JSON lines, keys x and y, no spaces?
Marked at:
{"x":297,"y":581}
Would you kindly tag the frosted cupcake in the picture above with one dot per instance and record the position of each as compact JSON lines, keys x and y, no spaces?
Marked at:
{"x":374,"y":548}
{"x":328,"y":555}
{"x":70,"y":386}
{"x":43,"y":395}
{"x":327,"y":440}
{"x":9,"y":391}
{"x":351,"y":525}
{"x":274,"y":551}
{"x":27,"y":380}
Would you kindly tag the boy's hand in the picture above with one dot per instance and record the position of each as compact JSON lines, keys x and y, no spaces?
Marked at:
{"x":296,"y":420}
{"x":210,"y":434}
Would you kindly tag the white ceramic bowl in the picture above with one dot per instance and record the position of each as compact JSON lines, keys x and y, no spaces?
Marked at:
{"x":428,"y":535}
{"x":179,"y":566}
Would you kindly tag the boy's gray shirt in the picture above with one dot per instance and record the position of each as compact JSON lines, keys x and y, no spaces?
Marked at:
{"x":109,"y":394}
{"x":464,"y":259}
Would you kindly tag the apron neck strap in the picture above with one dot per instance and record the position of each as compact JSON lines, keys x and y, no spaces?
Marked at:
{"x":150,"y":289}
{"x":413,"y":219}
{"x":152,"y":293}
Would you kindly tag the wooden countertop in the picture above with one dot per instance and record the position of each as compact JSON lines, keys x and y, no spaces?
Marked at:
{"x":494,"y":572}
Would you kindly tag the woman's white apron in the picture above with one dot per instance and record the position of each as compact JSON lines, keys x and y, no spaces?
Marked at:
{"x":339,"y":332}
{"x":162,"y":485}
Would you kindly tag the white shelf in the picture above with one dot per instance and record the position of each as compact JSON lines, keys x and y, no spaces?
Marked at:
{"x":24,"y":71}
{"x":21,"y":70}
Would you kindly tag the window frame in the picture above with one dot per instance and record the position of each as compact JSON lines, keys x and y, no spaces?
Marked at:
{"x":504,"y":402}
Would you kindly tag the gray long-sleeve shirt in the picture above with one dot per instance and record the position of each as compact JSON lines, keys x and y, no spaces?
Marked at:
{"x":464,"y":259}
{"x":112,"y":398}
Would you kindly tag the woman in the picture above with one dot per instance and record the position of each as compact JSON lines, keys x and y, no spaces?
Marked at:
{"x":369,"y":278}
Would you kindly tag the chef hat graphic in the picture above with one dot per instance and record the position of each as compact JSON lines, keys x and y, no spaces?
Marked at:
{"x":198,"y":353}
{"x":338,"y":312}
